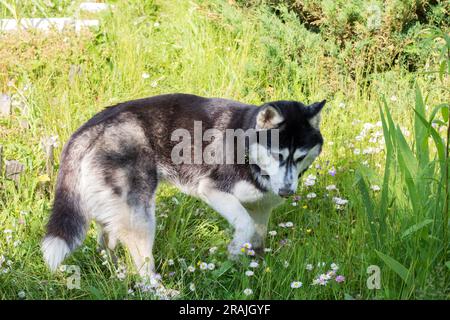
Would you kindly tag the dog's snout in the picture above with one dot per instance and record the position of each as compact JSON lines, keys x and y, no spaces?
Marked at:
{"x":285,"y":192}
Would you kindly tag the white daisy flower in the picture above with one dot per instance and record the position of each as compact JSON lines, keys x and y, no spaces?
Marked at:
{"x":212,"y":250}
{"x":311,"y":195}
{"x":375,"y":188}
{"x":296,"y":284}
{"x":340,"y":201}
{"x":248,"y":291}
{"x":289,"y":224}
{"x":247,"y":245}
{"x":191,"y":268}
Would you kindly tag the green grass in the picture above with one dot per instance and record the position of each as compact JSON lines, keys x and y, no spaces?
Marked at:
{"x":254,"y":55}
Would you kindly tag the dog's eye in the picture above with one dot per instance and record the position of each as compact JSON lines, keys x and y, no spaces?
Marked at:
{"x":300,"y":159}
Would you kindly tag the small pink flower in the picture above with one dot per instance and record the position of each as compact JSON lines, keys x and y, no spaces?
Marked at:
{"x":340,"y":279}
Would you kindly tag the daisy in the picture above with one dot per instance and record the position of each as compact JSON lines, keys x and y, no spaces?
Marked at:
{"x":331,"y":187}
{"x":332,"y":172}
{"x":309,"y":267}
{"x":340,"y":201}
{"x":191,"y":268}
{"x":247,"y":245}
{"x":334,"y":267}
{"x":248,"y":291}
{"x":272,"y":233}
{"x":212,"y":250}
{"x":249,"y":273}
{"x":375,"y":188}
{"x":203,"y":266}
{"x":311,"y":195}
{"x":254,"y":264}
{"x":211,"y":266}
{"x":289,"y":224}
{"x":296,"y":284}
{"x":310,"y":180}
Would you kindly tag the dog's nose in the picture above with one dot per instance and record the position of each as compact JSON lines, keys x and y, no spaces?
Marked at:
{"x":285,"y":192}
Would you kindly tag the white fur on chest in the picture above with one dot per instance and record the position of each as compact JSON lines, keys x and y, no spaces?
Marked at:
{"x":251,"y":196}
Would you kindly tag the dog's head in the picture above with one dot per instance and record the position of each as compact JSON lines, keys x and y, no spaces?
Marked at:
{"x":282,"y":160}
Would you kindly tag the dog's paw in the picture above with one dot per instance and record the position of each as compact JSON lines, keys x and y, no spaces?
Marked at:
{"x":235,"y":250}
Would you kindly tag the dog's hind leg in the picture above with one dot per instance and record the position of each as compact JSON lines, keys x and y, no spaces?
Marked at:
{"x":106,"y":243}
{"x":138,"y":236}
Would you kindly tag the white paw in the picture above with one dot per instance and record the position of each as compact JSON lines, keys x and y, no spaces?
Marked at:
{"x":235,"y":250}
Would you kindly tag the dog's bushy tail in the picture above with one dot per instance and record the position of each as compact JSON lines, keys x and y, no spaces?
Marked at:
{"x":66,"y":227}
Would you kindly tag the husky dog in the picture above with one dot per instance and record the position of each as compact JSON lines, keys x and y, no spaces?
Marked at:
{"x":111,"y":166}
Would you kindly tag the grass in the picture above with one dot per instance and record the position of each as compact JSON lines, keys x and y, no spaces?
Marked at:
{"x":252,"y":54}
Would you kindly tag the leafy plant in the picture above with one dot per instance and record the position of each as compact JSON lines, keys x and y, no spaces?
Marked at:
{"x":419,"y":172}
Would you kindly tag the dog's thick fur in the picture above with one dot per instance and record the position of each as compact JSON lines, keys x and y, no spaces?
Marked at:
{"x":111,"y":167}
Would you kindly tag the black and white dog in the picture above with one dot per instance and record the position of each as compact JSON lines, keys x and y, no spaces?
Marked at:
{"x":111,"y":167}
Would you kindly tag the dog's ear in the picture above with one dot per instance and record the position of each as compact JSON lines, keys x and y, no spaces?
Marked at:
{"x":268,"y":118}
{"x":313,"y":113}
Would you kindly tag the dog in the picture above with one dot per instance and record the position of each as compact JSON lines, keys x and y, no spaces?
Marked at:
{"x":112,"y":165}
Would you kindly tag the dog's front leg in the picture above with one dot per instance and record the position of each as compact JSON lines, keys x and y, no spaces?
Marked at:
{"x":261,"y":218}
{"x":232,"y":210}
